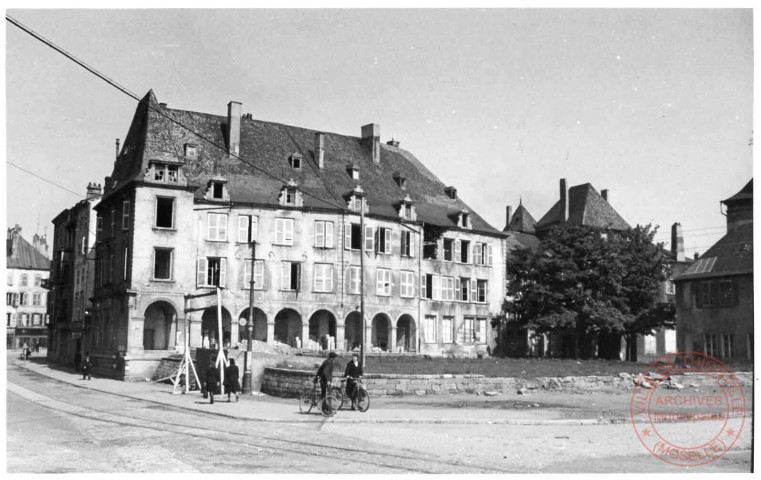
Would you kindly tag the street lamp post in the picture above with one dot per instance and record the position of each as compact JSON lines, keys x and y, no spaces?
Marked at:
{"x":249,"y":322}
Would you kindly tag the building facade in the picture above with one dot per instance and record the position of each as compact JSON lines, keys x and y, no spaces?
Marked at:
{"x":71,"y":279}
{"x":715,"y":294}
{"x":315,"y":218}
{"x":27,"y":268}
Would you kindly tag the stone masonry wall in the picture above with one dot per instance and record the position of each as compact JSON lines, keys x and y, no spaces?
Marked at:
{"x":291,"y":383}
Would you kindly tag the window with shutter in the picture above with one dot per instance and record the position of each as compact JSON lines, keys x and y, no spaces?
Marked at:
{"x":284,"y":231}
{"x":319,"y":234}
{"x":285,"y":276}
{"x":201,"y":272}
{"x":354,"y":285}
{"x":489,"y":255}
{"x":244,"y":221}
{"x":457,"y":251}
{"x":477,"y":254}
{"x":328,"y":234}
{"x":436,"y":287}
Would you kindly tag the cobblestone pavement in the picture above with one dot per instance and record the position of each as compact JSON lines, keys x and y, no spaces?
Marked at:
{"x":142,"y":427}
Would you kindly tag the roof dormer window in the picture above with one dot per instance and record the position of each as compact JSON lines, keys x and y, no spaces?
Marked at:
{"x":451,"y":192}
{"x":407,"y":209}
{"x":295,"y":161}
{"x":290,"y":195}
{"x":216,"y":189}
{"x":353,"y":171}
{"x":464,"y":220}
{"x":165,"y":173}
{"x":355,"y":200}
{"x":191,"y":151}
{"x":400,"y":180}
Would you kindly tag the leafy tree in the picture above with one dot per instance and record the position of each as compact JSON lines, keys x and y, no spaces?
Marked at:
{"x":591,"y":281}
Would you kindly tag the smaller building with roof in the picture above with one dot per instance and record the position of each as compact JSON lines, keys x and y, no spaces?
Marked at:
{"x":714,"y":296}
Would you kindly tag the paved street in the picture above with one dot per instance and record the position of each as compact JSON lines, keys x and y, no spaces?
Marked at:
{"x":59,"y":423}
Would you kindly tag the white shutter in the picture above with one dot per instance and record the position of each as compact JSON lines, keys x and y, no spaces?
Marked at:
{"x":298,"y":277}
{"x":423,"y":286}
{"x":457,"y":251}
{"x":457,"y":287}
{"x":405,"y":236}
{"x":394,"y":240}
{"x":379,"y":281}
{"x":473,"y":290}
{"x":436,"y":287}
{"x":387,"y":233}
{"x":246,"y":274}
{"x":328,"y":234}
{"x":211,"y":220}
{"x":288,"y":231}
{"x":347,"y":236}
{"x":201,"y":272}
{"x":477,"y":254}
{"x":412,"y":244}
{"x":259,"y":274}
{"x":285,"y":276}
{"x":222,"y":228}
{"x":328,"y":278}
{"x":254,"y":228}
{"x":369,"y":238}
{"x":318,"y":282}
{"x":243,"y":224}
{"x":222,"y":272}
{"x":319,"y":234}
{"x":488,"y":255}
{"x":279,"y":231}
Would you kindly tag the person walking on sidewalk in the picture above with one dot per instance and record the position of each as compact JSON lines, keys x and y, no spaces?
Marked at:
{"x":212,"y":381}
{"x":232,"y":385}
{"x":86,"y":367}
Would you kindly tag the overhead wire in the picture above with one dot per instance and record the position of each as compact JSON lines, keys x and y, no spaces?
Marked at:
{"x":127,"y":92}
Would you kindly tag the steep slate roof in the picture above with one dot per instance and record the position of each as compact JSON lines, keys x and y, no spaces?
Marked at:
{"x":522,"y":240}
{"x":522,"y":221}
{"x":585,"y":207}
{"x":23,"y":255}
{"x":266,"y":146}
{"x":731,"y":255}
{"x":745,"y":194}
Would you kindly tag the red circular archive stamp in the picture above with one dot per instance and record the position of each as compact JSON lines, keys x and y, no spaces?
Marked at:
{"x":688,"y":408}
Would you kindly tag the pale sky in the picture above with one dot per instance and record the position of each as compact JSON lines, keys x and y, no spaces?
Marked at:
{"x":654,"y":105}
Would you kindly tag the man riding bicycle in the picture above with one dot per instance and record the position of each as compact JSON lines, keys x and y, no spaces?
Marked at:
{"x":352,"y":373}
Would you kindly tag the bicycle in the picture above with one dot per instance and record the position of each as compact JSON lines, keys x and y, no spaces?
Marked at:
{"x":361,"y":397}
{"x":327,"y":406}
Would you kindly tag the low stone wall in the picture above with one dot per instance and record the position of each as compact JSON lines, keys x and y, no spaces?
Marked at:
{"x":289,"y":383}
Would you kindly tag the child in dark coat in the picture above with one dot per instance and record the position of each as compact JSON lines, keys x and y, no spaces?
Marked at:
{"x":232,"y":385}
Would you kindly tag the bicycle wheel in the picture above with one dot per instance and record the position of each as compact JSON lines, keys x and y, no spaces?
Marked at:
{"x":363,"y":400}
{"x":329,"y":406}
{"x":305,"y":403}
{"x":336,"y":392}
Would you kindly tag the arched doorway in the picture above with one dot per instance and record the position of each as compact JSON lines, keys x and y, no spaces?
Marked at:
{"x":288,"y":326}
{"x":353,"y":331}
{"x":210,"y":327}
{"x":159,"y":326}
{"x":405,"y":333}
{"x":322,"y":326}
{"x":260,"y":325}
{"x":381,"y":332}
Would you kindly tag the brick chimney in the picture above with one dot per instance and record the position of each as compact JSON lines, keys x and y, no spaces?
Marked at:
{"x":371,"y":140}
{"x":93,"y":190}
{"x":508,"y":214}
{"x":233,"y":128}
{"x":563,"y":200}
{"x":677,"y":242}
{"x":12,"y":240}
{"x":604,"y":194}
{"x":117,"y":148}
{"x":319,"y":149}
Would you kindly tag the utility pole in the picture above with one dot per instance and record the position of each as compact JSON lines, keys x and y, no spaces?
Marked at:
{"x":250,"y":322}
{"x":362,"y":349}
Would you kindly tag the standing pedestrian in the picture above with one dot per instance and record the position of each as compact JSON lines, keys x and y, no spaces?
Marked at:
{"x":232,"y":385}
{"x":352,"y":373}
{"x":27,"y":352}
{"x":212,"y":381}
{"x":86,"y":367}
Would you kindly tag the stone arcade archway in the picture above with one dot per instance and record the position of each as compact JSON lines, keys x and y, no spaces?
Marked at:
{"x":322,"y":325}
{"x":159,"y":326}
{"x":260,"y":325}
{"x":381,"y":335}
{"x":353,"y":331}
{"x":406,"y":334}
{"x":210,"y":327}
{"x":288,"y":326}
